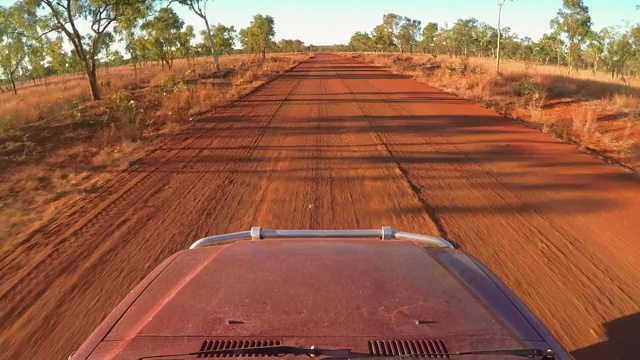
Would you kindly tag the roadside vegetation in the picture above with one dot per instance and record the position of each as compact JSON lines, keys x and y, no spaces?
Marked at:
{"x":73,"y":112}
{"x":576,"y":83}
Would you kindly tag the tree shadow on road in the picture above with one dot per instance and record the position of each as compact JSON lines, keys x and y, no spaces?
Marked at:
{"x":343,"y":72}
{"x":448,"y":146}
{"x":367,"y":76}
{"x":623,"y":341}
{"x":345,"y":98}
{"x":434,"y":125}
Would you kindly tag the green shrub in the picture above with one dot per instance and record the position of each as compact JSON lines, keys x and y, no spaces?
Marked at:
{"x":7,"y":123}
{"x":532,"y":90}
{"x":462,"y":66}
{"x":450,"y":69}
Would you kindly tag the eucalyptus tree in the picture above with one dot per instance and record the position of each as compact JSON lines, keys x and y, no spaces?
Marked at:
{"x":64,"y":16}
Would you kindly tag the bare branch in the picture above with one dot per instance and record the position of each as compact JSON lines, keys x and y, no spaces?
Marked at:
{"x":57,"y":28}
{"x":97,"y":20}
{"x":61,"y":24}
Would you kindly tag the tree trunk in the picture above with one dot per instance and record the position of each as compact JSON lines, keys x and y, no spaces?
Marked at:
{"x":13,"y":84}
{"x":212,"y":44}
{"x":93,"y":83}
{"x":570,"y":55}
{"x":498,"y":45}
{"x":498,"y":54}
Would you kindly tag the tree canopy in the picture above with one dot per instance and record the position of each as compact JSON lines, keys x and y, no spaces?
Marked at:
{"x":163,"y":35}
{"x":574,"y":23}
{"x":46,"y":16}
{"x":258,"y":37}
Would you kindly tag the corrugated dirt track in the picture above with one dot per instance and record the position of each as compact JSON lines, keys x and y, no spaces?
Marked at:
{"x":336,"y":143}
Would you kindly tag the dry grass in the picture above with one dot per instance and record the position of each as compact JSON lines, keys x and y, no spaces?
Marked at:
{"x":583,"y":123}
{"x":625,"y":100}
{"x":59,"y":94}
{"x":589,"y":109}
{"x":55,"y":146}
{"x":559,"y":72}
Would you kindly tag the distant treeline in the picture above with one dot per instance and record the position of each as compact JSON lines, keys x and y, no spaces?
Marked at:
{"x":572,"y":41}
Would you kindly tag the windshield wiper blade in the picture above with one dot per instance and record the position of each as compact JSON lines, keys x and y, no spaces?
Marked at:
{"x":313,"y":351}
{"x":259,"y":350}
{"x":531,"y":353}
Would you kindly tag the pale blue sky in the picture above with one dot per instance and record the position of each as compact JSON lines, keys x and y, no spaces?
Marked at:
{"x":321,"y":22}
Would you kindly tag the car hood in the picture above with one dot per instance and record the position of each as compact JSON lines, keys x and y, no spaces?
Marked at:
{"x":321,"y":290}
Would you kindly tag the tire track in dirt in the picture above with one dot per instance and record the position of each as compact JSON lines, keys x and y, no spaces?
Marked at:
{"x":139,"y":191}
{"x":101,"y":257}
{"x":590,"y":284}
{"x":415,"y":189}
{"x":265,"y":195}
{"x":141,"y":187}
{"x":485,"y":174}
{"x":321,"y":142}
{"x":123,"y":184}
{"x":185,"y":138}
{"x":317,"y":180}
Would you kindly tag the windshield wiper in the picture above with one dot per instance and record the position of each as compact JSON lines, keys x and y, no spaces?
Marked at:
{"x":259,"y":350}
{"x":277,"y":350}
{"x":531,"y":353}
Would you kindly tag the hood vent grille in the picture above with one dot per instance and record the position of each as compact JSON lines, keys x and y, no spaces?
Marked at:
{"x":234,"y":344}
{"x":419,"y":348}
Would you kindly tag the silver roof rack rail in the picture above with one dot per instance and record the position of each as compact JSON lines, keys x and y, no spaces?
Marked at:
{"x":386,"y":233}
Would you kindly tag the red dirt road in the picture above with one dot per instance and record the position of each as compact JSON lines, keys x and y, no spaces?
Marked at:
{"x":339,"y":144}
